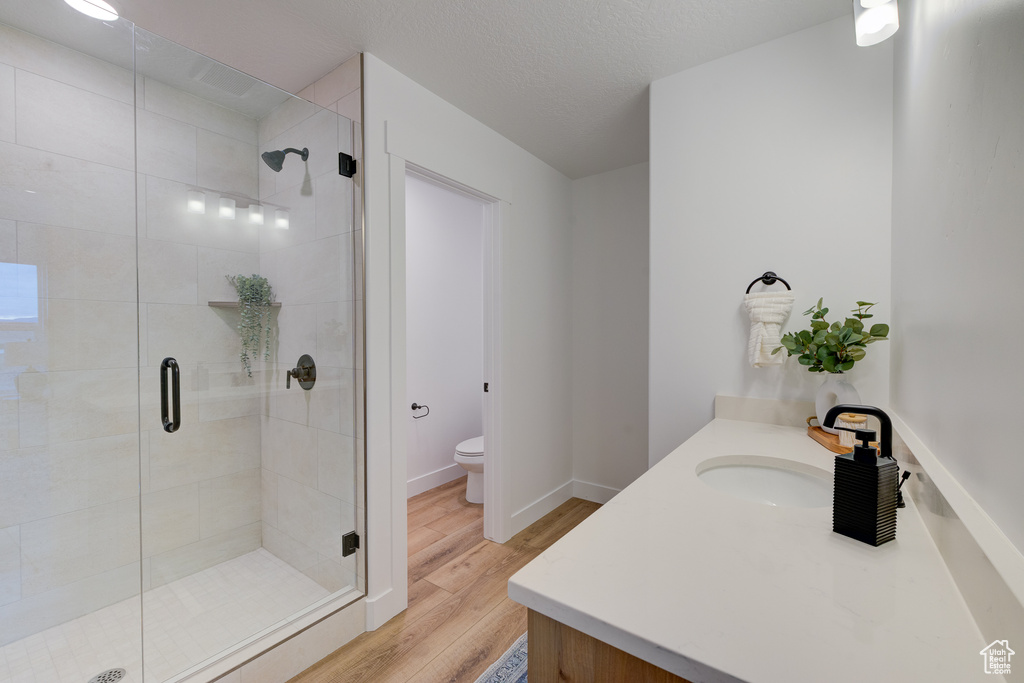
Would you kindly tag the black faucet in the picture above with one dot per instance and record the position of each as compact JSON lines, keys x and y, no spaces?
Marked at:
{"x":885,"y":438}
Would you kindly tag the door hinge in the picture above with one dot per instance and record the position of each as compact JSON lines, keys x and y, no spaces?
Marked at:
{"x":346,"y":165}
{"x":485,"y":387}
{"x":349,"y":543}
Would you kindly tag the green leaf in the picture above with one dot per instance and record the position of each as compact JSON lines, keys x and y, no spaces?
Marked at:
{"x":853,"y":324}
{"x":818,"y":325}
{"x":846,"y":366}
{"x":836,"y":327}
{"x":879,"y":330}
{"x":844,"y":336}
{"x":819,"y":302}
{"x":829,"y":364}
{"x":854,"y":338}
{"x":805,"y":360}
{"x":866,"y":315}
{"x":856,"y":353}
{"x":823,"y":312}
{"x":809,"y":311}
{"x":805,"y":337}
{"x":864,"y":303}
{"x":777,"y":349}
{"x":823,"y":353}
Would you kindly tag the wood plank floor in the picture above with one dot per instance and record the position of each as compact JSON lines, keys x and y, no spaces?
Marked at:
{"x":459,"y":619}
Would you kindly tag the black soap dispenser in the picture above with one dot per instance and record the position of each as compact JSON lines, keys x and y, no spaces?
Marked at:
{"x":865,"y":493}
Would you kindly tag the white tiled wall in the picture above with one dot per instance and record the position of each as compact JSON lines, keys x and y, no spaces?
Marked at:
{"x":69,"y":390}
{"x":88,"y":477}
{"x":310,"y":439}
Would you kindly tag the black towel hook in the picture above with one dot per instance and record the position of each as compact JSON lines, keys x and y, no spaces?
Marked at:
{"x":417,"y":406}
{"x":769,"y":278}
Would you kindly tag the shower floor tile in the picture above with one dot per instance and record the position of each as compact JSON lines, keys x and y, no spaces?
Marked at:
{"x":186,"y":622}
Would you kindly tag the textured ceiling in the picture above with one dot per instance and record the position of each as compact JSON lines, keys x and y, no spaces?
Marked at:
{"x":565,"y":79}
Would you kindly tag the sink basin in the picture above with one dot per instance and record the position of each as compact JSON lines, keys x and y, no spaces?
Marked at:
{"x":767,"y":480}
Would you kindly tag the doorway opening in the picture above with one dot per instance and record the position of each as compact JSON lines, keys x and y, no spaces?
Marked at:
{"x":451,"y":355}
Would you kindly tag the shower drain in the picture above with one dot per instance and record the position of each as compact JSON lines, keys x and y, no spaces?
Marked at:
{"x":108,"y":676}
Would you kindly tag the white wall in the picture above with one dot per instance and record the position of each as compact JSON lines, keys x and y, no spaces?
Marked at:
{"x":444,"y":237}
{"x":958,"y":242}
{"x":404,"y":121}
{"x":773,"y":158}
{"x":610,"y":228}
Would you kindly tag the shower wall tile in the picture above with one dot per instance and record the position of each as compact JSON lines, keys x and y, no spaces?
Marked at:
{"x":286,"y":548}
{"x":227,"y":164}
{"x":335,"y":574}
{"x":8,"y":241}
{"x":296,"y":335}
{"x":36,"y":483}
{"x":181,"y":106}
{"x":224,"y":391}
{"x":66,"y":548}
{"x":170,"y":519}
{"x":168,"y":273}
{"x":80,"y":264}
{"x":65,"y":191}
{"x":195,"y":557}
{"x":336,"y":466}
{"x":351,"y":106}
{"x":62,"y":118}
{"x":204,"y":451}
{"x":229,"y":502}
{"x":287,"y":115}
{"x":58,"y":407}
{"x":313,"y":518}
{"x":44,"y":58}
{"x":215,"y":265}
{"x":343,"y":81}
{"x":268,"y":497}
{"x":334,"y":334}
{"x":322,"y":407}
{"x":165,"y":147}
{"x":167,"y":220}
{"x":7,"y":115}
{"x":315,"y":272}
{"x":10,"y":565}
{"x":34,"y":613}
{"x":300,"y":204}
{"x":8,"y":411}
{"x":80,"y":335}
{"x":192,"y":334}
{"x":332,"y":195}
{"x":290,"y":450}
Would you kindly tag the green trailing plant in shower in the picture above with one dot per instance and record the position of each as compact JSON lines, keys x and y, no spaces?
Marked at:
{"x":255,"y":295}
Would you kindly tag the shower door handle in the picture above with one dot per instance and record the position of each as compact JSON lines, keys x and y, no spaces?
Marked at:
{"x":172,"y":365}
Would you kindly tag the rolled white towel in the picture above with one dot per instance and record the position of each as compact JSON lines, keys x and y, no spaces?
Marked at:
{"x":768,"y":311}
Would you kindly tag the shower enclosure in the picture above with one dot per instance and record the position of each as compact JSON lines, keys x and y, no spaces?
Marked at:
{"x":160,"y":508}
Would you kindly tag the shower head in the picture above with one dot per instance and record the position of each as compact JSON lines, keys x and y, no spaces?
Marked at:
{"x":275,"y":160}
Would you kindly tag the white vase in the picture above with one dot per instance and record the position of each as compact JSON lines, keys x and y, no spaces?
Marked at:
{"x":834,"y":390}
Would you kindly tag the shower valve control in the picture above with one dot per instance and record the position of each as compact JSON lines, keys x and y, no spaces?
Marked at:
{"x":304,"y":373}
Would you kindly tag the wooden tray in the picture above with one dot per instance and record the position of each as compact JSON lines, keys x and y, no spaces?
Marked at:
{"x":829,"y":441}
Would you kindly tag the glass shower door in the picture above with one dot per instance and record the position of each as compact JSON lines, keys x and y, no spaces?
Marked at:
{"x":69,"y":406}
{"x":246,"y":504}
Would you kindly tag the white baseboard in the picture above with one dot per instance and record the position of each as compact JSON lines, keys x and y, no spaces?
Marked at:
{"x":540,"y":507}
{"x":381,"y":608}
{"x":595,"y":493}
{"x":434,"y":479}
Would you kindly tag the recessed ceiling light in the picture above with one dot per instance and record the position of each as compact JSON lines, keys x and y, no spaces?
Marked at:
{"x":97,"y":9}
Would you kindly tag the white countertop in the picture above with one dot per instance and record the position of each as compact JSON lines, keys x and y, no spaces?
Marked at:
{"x":715,"y":588}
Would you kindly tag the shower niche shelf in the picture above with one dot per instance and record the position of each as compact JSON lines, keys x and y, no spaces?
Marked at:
{"x":234,"y":304}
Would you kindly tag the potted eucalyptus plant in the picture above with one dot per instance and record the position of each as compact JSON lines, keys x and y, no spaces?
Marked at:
{"x":833,"y":348}
{"x":255,"y":295}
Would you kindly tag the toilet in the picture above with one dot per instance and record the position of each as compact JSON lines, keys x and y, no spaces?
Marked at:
{"x":470,"y":455}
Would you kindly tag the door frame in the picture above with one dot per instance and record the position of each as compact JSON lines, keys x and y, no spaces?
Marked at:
{"x":497,"y":520}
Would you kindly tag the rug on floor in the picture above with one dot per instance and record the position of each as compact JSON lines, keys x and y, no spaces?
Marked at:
{"x":510,"y":667}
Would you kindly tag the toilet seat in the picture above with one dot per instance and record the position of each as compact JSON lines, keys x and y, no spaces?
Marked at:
{"x":471,"y":447}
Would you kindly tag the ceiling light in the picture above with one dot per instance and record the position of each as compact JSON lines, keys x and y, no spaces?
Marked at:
{"x":281,"y":219}
{"x":97,"y":9}
{"x":874,"y":20}
{"x":256,"y":214}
